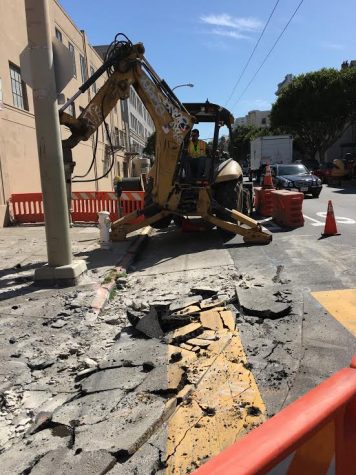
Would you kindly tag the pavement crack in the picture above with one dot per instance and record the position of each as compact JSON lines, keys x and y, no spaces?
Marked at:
{"x":185,"y":434}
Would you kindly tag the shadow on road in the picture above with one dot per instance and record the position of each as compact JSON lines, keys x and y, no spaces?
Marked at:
{"x":172,"y":243}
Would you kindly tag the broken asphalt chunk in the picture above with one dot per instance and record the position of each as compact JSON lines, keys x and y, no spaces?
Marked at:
{"x":163,"y":380}
{"x":185,"y":302}
{"x":41,"y":421}
{"x":183,"y":334}
{"x":134,"y":420}
{"x":88,"y":409}
{"x":211,"y":320}
{"x":32,"y":449}
{"x":149,"y":325}
{"x":116,"y":378}
{"x":40,"y":363}
{"x":134,"y":316}
{"x":66,"y":461}
{"x":204,"y":291}
{"x":191,"y":310}
{"x":229,"y":319}
{"x":216,"y":301}
{"x":147,"y":460}
{"x":261,"y":302}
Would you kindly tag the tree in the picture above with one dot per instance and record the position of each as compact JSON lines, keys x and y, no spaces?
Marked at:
{"x":317,"y":107}
{"x":150,"y":145}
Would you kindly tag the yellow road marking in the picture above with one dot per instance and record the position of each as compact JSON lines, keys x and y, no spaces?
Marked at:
{"x":341,"y":304}
{"x":223,"y":405}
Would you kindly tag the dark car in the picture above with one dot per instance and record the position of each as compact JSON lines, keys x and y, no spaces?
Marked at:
{"x":296,"y":177}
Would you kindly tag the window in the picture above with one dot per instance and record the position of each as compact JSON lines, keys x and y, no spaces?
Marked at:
{"x":122,"y":138}
{"x":83,"y":68}
{"x":107,"y":160}
{"x":116,"y":137}
{"x":72,"y":50}
{"x":94,"y":85}
{"x":18,"y":87}
{"x":71,"y":109}
{"x":59,"y":35}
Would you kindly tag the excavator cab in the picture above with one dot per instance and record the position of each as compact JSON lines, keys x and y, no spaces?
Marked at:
{"x":216,"y":159}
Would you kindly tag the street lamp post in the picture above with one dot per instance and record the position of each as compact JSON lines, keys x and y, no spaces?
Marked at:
{"x":183,"y":85}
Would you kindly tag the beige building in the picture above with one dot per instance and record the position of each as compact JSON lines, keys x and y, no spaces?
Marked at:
{"x":258,"y":118}
{"x":19,"y":167}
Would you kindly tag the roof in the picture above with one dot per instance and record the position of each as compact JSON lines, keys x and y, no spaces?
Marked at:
{"x":208,"y":112}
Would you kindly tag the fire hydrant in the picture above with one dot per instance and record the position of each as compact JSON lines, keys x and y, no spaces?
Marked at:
{"x":104,"y":226}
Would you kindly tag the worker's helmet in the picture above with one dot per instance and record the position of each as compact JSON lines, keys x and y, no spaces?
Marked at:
{"x":117,"y":179}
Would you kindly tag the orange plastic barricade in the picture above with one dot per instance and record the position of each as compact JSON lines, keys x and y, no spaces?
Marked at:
{"x":287,"y":208}
{"x":315,"y":435}
{"x":263,"y":201}
{"x":28,"y":207}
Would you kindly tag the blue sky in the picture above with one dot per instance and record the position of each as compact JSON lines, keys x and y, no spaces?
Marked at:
{"x":208,"y":43}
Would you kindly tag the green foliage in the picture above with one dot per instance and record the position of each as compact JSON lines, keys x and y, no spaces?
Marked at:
{"x":150,"y":145}
{"x":111,"y":275}
{"x":316,"y":108}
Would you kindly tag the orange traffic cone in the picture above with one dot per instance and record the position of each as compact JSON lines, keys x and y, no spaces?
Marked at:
{"x":330,"y":223}
{"x":267,"y":179}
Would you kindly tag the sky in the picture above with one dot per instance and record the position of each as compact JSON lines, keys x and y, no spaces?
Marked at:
{"x":208,"y":43}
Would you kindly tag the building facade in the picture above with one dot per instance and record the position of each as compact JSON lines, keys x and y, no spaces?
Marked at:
{"x":19,"y":166}
{"x":255,"y":118}
{"x":258,"y":118}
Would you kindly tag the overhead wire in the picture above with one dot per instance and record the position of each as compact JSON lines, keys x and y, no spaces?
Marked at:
{"x":252,"y":53}
{"x":268,"y":54}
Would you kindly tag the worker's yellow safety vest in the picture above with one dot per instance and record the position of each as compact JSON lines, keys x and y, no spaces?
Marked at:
{"x":197,"y":149}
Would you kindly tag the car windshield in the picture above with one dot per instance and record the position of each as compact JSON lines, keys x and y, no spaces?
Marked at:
{"x":292,"y":170}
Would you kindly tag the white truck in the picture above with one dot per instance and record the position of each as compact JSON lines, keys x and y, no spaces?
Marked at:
{"x":270,"y":150}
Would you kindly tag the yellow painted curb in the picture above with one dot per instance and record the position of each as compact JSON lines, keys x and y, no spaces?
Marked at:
{"x":341,"y":304}
{"x":223,"y":405}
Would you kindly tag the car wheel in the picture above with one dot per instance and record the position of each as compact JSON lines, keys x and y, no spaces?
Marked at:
{"x":315,"y":194}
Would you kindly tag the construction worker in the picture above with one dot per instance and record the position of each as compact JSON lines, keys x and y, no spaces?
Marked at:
{"x":197,"y":156}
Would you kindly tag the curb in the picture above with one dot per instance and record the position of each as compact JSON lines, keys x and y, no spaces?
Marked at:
{"x":103,"y":291}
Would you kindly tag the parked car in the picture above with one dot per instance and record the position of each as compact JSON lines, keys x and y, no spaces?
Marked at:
{"x":296,"y":177}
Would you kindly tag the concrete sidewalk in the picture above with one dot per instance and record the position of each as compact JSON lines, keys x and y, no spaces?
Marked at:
{"x":49,"y":334}
{"x":23,"y":249}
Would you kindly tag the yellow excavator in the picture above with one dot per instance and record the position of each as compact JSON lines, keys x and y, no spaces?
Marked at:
{"x":171,"y":194}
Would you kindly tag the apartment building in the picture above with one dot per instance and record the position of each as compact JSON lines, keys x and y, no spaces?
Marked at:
{"x":19,"y":167}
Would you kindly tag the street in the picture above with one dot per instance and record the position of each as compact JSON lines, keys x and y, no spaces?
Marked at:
{"x":311,"y":345}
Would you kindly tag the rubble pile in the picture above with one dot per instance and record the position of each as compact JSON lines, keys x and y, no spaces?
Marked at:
{"x":161,"y":378}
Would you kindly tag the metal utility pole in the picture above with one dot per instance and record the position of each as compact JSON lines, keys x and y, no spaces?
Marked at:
{"x":60,"y":263}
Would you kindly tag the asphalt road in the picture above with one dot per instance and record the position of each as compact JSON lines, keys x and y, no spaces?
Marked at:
{"x":291,"y":355}
{"x":321,"y":344}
